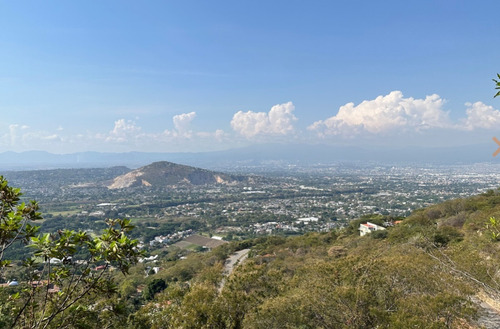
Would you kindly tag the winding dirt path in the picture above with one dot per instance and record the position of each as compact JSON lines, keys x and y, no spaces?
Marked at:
{"x":231,"y":262}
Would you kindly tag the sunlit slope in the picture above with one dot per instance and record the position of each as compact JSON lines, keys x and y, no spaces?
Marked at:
{"x":163,"y":173}
{"x":432,"y":270}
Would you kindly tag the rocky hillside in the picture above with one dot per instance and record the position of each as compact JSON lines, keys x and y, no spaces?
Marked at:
{"x":163,"y":173}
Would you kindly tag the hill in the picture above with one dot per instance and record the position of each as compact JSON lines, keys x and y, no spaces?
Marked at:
{"x":438,"y":268}
{"x":55,"y":179}
{"x":164,"y":173}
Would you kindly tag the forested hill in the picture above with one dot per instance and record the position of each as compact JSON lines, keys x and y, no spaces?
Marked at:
{"x":429,"y":271}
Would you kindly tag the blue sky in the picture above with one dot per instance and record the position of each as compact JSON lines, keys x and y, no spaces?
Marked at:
{"x":208,"y":75}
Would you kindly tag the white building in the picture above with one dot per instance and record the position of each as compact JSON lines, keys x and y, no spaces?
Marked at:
{"x":368,"y":228}
{"x":308,"y":219}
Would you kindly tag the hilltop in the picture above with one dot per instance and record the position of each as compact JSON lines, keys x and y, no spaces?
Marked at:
{"x":164,"y":173}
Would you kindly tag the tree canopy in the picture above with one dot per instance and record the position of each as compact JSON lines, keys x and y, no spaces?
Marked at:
{"x":68,"y":272}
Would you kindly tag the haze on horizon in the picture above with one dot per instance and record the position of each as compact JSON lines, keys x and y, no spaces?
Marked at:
{"x":119,"y":76}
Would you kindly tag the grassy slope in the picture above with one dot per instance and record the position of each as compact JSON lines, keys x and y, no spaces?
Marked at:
{"x":423,"y":274}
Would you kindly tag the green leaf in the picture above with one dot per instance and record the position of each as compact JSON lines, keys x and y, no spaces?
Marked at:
{"x":15,"y":296}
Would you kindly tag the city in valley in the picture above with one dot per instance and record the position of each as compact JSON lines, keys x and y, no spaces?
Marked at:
{"x":284,"y":200}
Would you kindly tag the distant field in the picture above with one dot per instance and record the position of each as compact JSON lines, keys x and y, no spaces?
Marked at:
{"x":204,"y":241}
{"x":64,"y":213}
{"x":183,"y":244}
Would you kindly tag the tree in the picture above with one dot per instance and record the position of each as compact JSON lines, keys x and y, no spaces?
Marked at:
{"x":15,"y":220}
{"x":498,"y":85}
{"x":154,"y":287}
{"x":67,"y":273}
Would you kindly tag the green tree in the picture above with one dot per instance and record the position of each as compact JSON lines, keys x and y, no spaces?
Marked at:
{"x":15,"y":220}
{"x":67,"y":272}
{"x":155,"y":286}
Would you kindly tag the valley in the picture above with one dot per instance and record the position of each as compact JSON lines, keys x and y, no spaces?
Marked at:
{"x":251,"y":202}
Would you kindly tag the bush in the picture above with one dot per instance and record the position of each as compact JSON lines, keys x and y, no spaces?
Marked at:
{"x":447,"y":234}
{"x":381,"y":234}
{"x":154,"y":287}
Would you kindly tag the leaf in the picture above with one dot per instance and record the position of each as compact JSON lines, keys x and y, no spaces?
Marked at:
{"x":15,"y":296}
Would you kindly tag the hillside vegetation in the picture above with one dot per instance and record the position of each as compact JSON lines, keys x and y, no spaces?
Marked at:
{"x":429,"y":271}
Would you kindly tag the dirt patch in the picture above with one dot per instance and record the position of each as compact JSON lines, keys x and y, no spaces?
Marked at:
{"x":204,"y":241}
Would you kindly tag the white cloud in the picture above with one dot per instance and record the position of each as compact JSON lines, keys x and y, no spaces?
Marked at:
{"x":182,"y":123}
{"x":481,"y":116}
{"x":53,"y":137}
{"x":127,"y":134}
{"x":219,"y":135}
{"x":377,"y":120}
{"x":124,"y":131}
{"x":385,"y":113}
{"x":16,"y":132}
{"x":23,"y":137}
{"x":278,"y":121}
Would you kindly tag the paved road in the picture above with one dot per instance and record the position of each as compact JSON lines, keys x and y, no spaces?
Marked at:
{"x":233,"y":260}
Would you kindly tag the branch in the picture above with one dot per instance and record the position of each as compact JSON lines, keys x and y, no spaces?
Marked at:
{"x":453,"y":267}
{"x":64,"y":307}
{"x":16,"y":238}
{"x":45,"y":298}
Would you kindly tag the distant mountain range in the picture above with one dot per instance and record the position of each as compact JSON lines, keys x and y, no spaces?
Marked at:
{"x":257,"y":155}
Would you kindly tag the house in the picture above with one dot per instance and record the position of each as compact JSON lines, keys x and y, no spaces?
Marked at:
{"x":51,"y":288}
{"x":368,"y":228}
{"x":306,"y":220}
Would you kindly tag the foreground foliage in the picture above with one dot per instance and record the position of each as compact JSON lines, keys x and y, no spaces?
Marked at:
{"x":65,"y":280}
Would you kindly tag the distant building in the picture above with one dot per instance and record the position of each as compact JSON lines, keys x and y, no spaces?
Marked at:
{"x":98,"y":213}
{"x":368,"y":228}
{"x":307,"y":220}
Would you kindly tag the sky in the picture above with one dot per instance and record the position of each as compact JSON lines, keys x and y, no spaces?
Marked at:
{"x":194,"y":76}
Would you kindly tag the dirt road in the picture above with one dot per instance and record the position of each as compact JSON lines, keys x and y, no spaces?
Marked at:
{"x":233,"y":260}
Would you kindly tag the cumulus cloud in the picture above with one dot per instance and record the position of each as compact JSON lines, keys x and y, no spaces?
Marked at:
{"x":123,"y":135}
{"x":126,"y":134}
{"x":385,"y":113}
{"x":278,"y":121}
{"x":16,"y":132}
{"x":219,"y":135}
{"x":182,"y":123}
{"x":379,"y":119}
{"x":481,"y":116}
{"x":23,"y":137}
{"x":123,"y":131}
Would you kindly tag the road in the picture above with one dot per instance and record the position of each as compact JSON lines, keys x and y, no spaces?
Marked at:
{"x":489,"y":313}
{"x":233,"y":260}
